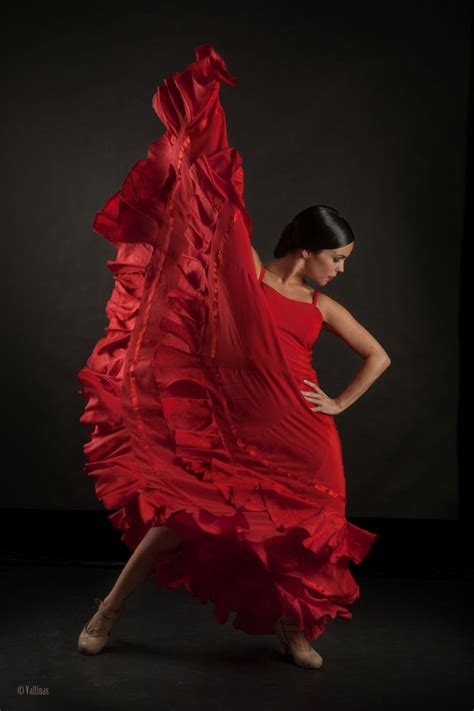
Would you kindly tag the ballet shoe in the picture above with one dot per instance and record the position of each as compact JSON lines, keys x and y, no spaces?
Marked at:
{"x":310,"y":659}
{"x":93,"y":644}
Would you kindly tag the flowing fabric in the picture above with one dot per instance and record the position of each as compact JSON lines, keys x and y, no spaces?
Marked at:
{"x":193,"y":395}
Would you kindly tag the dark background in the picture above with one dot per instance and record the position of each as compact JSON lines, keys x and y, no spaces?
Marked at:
{"x":359,"y":106}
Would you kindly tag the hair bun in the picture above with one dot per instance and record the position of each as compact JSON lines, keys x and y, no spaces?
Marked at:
{"x":315,"y":228}
{"x":286,"y":241}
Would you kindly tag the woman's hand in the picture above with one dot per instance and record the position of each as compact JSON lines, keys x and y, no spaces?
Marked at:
{"x":323,"y":402}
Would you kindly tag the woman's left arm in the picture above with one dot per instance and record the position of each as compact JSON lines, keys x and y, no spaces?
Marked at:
{"x":338,"y":320}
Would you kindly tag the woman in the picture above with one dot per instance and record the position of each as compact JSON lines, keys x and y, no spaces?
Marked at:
{"x":212,"y":441}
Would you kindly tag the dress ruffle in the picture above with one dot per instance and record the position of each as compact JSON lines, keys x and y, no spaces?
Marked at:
{"x":197,"y":419}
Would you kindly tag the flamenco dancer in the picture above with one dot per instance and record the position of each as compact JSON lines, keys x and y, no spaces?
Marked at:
{"x":213,"y":445}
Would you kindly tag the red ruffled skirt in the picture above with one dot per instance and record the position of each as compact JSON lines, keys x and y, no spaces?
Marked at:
{"x":197,"y":420}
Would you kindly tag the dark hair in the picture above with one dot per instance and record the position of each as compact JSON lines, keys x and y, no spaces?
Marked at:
{"x":315,"y":228}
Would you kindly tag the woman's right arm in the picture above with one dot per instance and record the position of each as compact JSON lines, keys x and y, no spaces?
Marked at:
{"x":257,"y":262}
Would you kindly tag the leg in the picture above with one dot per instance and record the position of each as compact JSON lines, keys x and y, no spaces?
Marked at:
{"x":139,"y":566}
{"x":298,"y":639}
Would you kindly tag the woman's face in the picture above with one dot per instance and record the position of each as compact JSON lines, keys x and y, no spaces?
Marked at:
{"x":327,"y":264}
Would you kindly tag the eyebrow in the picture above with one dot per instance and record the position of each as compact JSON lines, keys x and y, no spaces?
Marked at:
{"x":340,"y":255}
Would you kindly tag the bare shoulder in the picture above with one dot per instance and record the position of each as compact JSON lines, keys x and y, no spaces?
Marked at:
{"x":339,"y":321}
{"x":257,"y":261}
{"x":335,"y":315}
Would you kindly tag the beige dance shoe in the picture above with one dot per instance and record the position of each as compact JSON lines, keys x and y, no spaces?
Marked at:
{"x":93,"y":644}
{"x":310,"y":659}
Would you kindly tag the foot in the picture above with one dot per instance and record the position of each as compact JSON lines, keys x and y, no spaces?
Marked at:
{"x":296,"y":638}
{"x":98,"y":625}
{"x":298,"y":642}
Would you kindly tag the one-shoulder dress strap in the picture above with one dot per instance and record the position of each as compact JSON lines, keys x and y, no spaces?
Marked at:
{"x":315,"y":296}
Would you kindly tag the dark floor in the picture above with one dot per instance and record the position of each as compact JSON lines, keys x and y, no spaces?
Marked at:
{"x":409,"y":644}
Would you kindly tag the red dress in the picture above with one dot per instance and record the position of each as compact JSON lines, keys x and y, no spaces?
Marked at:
{"x":193,"y":395}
